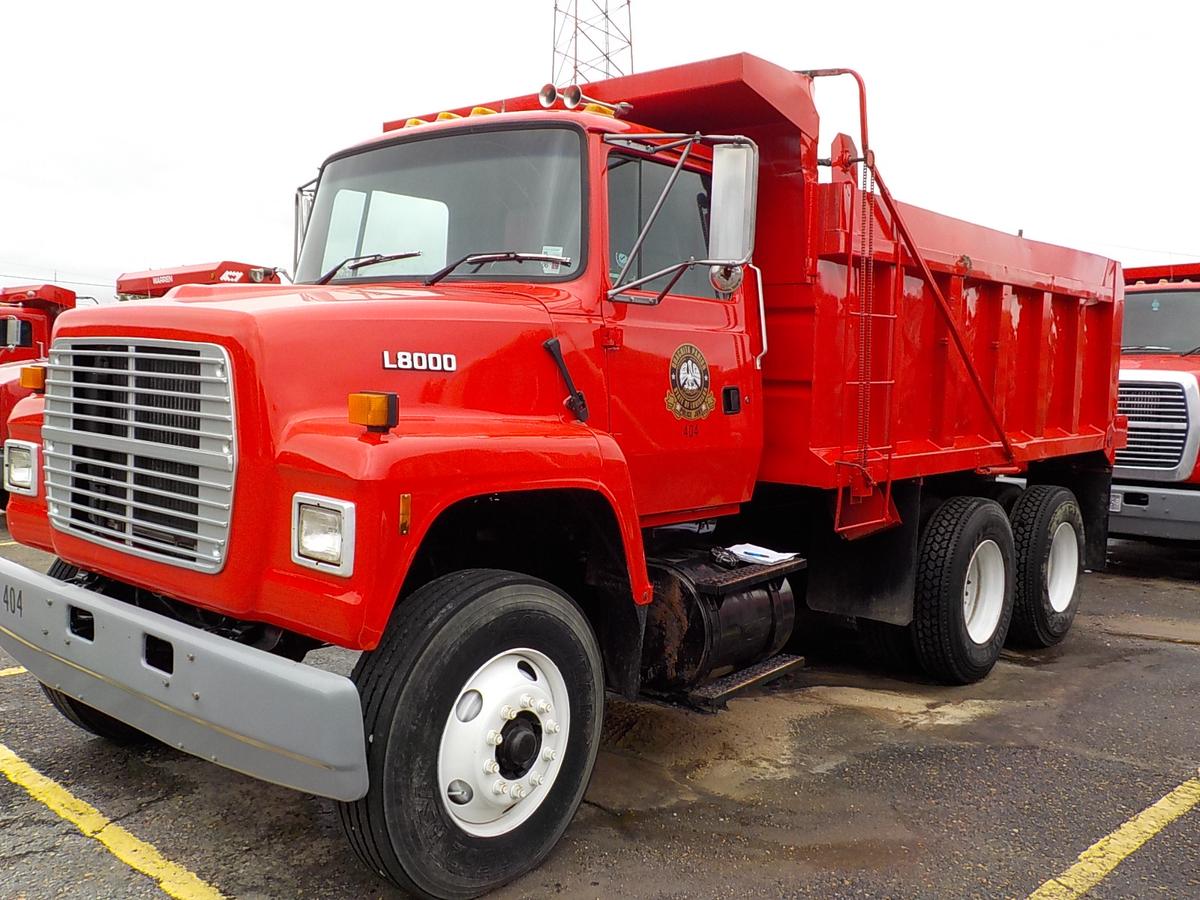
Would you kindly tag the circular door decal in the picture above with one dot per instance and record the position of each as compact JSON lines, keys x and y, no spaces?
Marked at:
{"x":690,"y":396}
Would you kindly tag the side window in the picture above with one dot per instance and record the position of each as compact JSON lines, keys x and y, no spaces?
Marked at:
{"x":679,"y":232}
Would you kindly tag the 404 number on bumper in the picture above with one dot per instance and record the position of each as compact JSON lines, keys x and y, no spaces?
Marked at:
{"x":234,"y":705}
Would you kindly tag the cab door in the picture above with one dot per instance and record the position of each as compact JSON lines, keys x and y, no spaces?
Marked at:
{"x":684,"y":395}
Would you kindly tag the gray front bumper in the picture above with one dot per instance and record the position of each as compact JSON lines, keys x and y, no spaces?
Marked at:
{"x":1155,"y":513}
{"x":234,"y":705}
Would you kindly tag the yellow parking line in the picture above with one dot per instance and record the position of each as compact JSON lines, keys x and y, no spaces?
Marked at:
{"x":1098,"y":860}
{"x":14,"y":670}
{"x":173,"y":879}
{"x":8,"y":543}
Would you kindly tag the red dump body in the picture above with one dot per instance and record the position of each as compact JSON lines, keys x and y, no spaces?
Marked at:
{"x":1041,"y":324}
{"x":156,"y":282}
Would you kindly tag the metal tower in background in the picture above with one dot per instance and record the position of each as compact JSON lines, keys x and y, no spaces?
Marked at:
{"x":593,"y":40}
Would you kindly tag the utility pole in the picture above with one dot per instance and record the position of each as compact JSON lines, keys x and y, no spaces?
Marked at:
{"x":593,"y":40}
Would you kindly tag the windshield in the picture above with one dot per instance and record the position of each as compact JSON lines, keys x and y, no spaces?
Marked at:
{"x":448,"y":196}
{"x":1168,"y":321}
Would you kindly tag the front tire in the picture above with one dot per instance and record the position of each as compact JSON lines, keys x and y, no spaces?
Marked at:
{"x":482,"y":706}
{"x":1048,"y":529}
{"x":964,"y":596}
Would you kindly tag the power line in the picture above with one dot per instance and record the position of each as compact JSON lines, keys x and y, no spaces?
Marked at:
{"x":42,"y":278}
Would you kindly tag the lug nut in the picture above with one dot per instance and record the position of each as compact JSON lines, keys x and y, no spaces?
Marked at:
{"x":517,"y":792}
{"x":526,"y":701}
{"x":543,"y":706}
{"x":494,"y":738}
{"x":553,"y":727}
{"x":507,"y":712}
{"x":491,"y":767}
{"x":549,"y":754}
{"x":535,"y":779}
{"x":500,"y":787}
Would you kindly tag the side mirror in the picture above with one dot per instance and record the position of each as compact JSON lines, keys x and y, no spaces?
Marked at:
{"x":733,"y":203}
{"x":305,"y":195}
{"x":17,"y":332}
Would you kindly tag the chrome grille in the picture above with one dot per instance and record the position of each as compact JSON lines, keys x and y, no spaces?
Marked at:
{"x":1158,"y":424}
{"x":139,"y":447}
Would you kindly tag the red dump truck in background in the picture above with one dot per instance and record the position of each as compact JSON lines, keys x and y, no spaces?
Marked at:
{"x":541,"y":368}
{"x":156,"y":282}
{"x":1156,"y":489}
{"x":27,"y":312}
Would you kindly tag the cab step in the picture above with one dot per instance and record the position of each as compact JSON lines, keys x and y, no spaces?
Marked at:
{"x":731,"y":581}
{"x":716,"y":694}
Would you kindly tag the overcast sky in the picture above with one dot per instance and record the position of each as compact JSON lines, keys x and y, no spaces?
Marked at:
{"x":144,"y":135}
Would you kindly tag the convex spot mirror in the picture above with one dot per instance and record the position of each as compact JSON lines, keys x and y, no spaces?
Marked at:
{"x":733,"y":204}
{"x":17,"y":332}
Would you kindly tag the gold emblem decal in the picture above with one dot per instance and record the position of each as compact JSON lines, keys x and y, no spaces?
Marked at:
{"x":690,"y":396}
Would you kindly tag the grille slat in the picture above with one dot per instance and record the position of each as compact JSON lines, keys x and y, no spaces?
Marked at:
{"x":1158,"y":424}
{"x":139,"y":445}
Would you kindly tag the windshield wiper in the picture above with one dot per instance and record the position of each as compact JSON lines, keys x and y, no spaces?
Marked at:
{"x":1147,"y":348}
{"x":357,"y":262}
{"x":480,"y":259}
{"x":1194,"y":350}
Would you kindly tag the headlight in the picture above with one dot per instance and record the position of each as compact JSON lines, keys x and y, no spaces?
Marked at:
{"x":20,"y":467}
{"x":323,"y":533}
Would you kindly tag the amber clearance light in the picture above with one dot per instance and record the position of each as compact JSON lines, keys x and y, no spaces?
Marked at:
{"x":374,"y":410}
{"x":33,"y":378}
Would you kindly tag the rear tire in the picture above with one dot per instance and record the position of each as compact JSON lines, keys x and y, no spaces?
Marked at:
{"x":1048,"y":530}
{"x":964,"y":594}
{"x":78,"y":713}
{"x":460,"y":658}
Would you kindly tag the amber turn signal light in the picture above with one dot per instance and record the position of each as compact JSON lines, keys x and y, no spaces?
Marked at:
{"x":374,"y":410}
{"x":33,"y":378}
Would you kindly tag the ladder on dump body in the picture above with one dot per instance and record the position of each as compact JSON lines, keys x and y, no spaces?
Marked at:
{"x":864,"y":502}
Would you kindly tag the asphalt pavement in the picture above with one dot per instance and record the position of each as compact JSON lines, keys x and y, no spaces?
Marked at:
{"x":843,"y":780}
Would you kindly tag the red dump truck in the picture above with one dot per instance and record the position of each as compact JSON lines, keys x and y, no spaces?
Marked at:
{"x":1156,"y":490}
{"x":541,"y":368}
{"x":28,"y":312}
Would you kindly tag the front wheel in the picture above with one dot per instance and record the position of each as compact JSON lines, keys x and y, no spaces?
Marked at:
{"x":483,"y":706}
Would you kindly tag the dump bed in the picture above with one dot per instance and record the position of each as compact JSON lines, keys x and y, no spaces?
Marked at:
{"x":865,"y":372}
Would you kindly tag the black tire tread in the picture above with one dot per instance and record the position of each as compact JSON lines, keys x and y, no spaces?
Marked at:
{"x":933,"y":625}
{"x":1030,"y":515}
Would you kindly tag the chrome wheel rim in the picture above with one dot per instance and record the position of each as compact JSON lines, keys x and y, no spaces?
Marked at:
{"x":983,"y":592}
{"x":1062,"y":568}
{"x":503,"y":742}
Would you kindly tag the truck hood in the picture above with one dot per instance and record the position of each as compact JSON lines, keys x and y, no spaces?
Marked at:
{"x":297,"y":351}
{"x":1170,"y":362}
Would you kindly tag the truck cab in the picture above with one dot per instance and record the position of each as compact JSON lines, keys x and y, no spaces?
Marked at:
{"x":1156,"y":481}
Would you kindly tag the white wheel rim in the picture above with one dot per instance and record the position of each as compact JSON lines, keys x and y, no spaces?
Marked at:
{"x":1062,"y":569}
{"x":512,"y":691}
{"x":983,"y":592}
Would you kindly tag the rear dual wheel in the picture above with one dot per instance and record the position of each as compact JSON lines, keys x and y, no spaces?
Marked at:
{"x":964,"y":594}
{"x":1048,"y":531}
{"x":482,"y":707}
